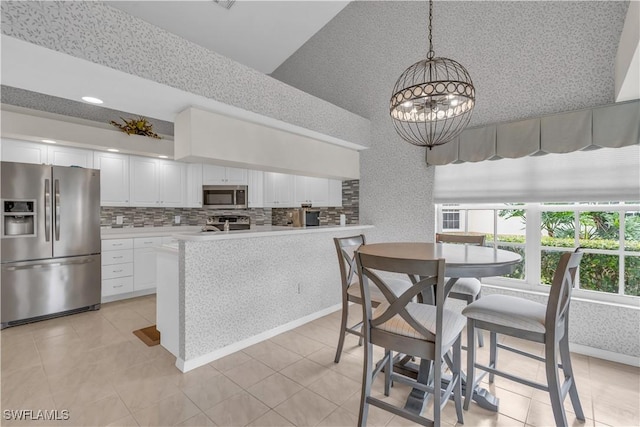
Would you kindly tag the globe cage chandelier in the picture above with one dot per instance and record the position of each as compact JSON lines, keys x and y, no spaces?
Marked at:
{"x":432,"y":100}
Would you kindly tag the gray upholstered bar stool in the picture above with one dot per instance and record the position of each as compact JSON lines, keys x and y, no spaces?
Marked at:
{"x":521,"y":318}
{"x":411,"y":328}
{"x":346,"y":247}
{"x":466,"y":289}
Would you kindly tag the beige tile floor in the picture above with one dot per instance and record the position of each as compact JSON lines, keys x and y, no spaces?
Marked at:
{"x":93,"y":366}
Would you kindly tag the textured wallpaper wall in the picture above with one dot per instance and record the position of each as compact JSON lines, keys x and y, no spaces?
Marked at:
{"x":525,"y":58}
{"x":107,"y":36}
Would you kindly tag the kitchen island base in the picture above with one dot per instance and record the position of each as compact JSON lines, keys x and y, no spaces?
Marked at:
{"x":233,"y":290}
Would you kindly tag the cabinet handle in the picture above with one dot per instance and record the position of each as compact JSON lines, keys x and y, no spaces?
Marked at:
{"x":117,"y":257}
{"x":117,"y":271}
{"x":117,"y":244}
{"x":118,"y":286}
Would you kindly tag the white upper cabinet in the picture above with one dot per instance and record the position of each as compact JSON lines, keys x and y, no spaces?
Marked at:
{"x":221,"y":175}
{"x":158,"y":183}
{"x":194,"y":185}
{"x":278,"y":190}
{"x":66,"y":156}
{"x":23,"y":152}
{"x":114,"y":178}
{"x":255,"y":182}
{"x":335,"y":192}
{"x":145,"y":174}
{"x":311,"y":190}
{"x":173,"y":183}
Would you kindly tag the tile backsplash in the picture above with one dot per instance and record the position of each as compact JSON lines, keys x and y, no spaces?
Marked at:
{"x":164,"y":217}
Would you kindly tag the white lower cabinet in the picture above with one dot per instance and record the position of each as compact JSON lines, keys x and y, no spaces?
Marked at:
{"x":117,"y":267}
{"x":129,"y":265}
{"x":144,"y":262}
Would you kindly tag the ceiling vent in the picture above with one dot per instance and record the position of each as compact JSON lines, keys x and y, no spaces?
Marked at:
{"x":225,"y":3}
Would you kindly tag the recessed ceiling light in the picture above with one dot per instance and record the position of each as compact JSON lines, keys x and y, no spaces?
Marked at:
{"x":113,"y":150}
{"x":49,"y":141}
{"x":164,"y":157}
{"x":92,"y":100}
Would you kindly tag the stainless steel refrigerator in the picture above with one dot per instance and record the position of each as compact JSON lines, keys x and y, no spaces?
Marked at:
{"x":50,"y":233}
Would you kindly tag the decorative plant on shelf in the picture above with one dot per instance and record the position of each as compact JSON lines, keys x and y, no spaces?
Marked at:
{"x":139,"y":126}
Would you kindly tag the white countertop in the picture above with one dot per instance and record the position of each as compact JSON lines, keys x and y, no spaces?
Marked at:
{"x":193,"y":233}
{"x":132,"y":232}
{"x":264,"y":231}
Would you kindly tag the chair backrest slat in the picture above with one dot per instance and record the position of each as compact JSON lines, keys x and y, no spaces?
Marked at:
{"x":345,"y":247}
{"x":430,"y":273}
{"x":564,"y":280}
{"x":471,"y":239}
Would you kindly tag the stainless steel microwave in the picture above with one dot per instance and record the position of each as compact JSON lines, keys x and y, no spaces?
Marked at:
{"x":225,"y":196}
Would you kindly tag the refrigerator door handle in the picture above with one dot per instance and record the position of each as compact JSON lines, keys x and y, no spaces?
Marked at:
{"x":47,"y":210}
{"x":56,"y":185}
{"x":35,"y":265}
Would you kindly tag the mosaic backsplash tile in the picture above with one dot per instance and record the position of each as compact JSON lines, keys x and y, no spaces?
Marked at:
{"x":165,"y":217}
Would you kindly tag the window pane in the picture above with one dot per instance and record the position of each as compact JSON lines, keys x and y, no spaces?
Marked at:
{"x":450,"y":219}
{"x":599,"y":272}
{"x":632,"y":231}
{"x":557,"y":229}
{"x":481,"y":221}
{"x":518,"y":273}
{"x":600,"y":230}
{"x":632,"y":275}
{"x":511,"y":225}
{"x":548,"y":263}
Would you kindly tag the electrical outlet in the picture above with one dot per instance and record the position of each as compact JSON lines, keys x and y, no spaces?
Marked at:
{"x":119,"y":219}
{"x":177,"y":219}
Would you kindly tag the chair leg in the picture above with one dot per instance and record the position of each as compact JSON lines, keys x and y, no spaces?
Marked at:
{"x":455,"y":370}
{"x":471,"y":358}
{"x":366,"y":384}
{"x":480,"y":336}
{"x":437,"y":388}
{"x":493,"y":354}
{"x":343,"y":329}
{"x":565,"y":357}
{"x":551,"y":366}
{"x":388,"y":370}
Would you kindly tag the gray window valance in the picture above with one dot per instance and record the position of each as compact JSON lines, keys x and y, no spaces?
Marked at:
{"x":612,"y":126}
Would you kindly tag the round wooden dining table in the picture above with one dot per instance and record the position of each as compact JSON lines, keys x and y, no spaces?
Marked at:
{"x":460,"y":261}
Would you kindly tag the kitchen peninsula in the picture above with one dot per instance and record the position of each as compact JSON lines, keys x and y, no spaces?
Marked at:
{"x":218,"y":293}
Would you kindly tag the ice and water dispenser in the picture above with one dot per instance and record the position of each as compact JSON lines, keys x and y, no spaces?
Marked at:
{"x":18,"y":218}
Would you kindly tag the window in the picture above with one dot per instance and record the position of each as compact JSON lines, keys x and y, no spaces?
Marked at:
{"x":608,"y":233}
{"x":450,"y":219}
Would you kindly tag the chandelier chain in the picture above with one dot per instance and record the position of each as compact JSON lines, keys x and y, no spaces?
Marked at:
{"x":431,"y":53}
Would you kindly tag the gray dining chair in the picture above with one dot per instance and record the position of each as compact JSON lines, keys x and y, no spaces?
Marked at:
{"x":346,"y":247}
{"x":410,"y":328}
{"x":467,"y":289}
{"x":528,"y":320}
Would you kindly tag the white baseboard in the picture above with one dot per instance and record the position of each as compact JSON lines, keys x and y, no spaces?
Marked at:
{"x":128,"y":295}
{"x":605,"y":354}
{"x":188,"y":365}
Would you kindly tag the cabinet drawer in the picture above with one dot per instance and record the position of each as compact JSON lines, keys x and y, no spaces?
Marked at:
{"x":117,"y":286}
{"x":147,"y":242}
{"x":117,"y":244}
{"x":117,"y":270}
{"x":117,"y":257}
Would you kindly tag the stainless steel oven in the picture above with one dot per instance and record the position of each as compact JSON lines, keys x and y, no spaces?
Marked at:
{"x":224,"y":196}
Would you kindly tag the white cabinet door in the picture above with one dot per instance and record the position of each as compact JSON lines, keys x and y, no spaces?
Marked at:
{"x":114,"y":178}
{"x":235,"y":176}
{"x":220,"y":175}
{"x":66,"y":156}
{"x":311,"y":190}
{"x":173,"y":184}
{"x":23,"y":152}
{"x":335,"y":192}
{"x":144,"y":268}
{"x":194,"y":185}
{"x":213,"y":175}
{"x":255,"y":182}
{"x":145,"y":174}
{"x":278,"y":190}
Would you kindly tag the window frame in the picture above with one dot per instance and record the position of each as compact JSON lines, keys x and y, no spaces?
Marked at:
{"x":533,"y":245}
